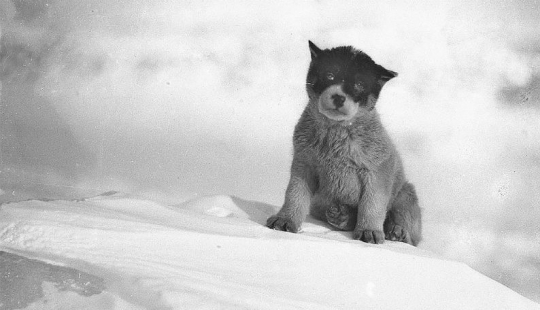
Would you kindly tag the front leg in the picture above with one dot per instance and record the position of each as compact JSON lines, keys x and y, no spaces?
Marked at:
{"x":372,"y":209}
{"x":301,"y":187}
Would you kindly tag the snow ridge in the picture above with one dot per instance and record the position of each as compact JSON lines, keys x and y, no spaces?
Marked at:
{"x":212,"y":252}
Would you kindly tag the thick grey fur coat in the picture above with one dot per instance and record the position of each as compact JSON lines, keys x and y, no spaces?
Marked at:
{"x":346,"y":170}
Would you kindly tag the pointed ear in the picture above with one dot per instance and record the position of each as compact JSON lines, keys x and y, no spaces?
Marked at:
{"x":385,"y":75}
{"x":388,"y":75}
{"x":315,"y":51}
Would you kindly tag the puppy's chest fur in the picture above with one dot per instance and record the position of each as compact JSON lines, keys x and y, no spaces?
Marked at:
{"x":361,"y":146}
{"x":337,"y":149}
{"x":341,"y":156}
{"x":339,"y":164}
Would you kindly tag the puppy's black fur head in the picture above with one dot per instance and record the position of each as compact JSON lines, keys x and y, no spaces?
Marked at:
{"x":348,"y":73}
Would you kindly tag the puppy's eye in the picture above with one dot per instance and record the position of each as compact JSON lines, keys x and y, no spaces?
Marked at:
{"x":330,"y":76}
{"x":358,"y":88}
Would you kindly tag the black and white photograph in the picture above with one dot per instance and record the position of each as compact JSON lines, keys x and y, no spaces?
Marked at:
{"x":312,"y":154}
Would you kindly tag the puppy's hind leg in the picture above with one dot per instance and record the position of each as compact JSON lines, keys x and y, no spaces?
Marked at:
{"x":319,"y":205}
{"x":341,"y":216}
{"x":404,"y":218}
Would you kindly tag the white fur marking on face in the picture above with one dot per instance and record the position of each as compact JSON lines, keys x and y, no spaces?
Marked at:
{"x":328,"y":109}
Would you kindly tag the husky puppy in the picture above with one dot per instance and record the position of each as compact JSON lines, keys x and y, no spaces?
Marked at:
{"x":346,"y":170}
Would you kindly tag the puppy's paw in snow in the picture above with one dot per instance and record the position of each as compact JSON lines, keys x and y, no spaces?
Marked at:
{"x":397,"y":233}
{"x":279,"y":223}
{"x":341,"y":216}
{"x":369,"y":236}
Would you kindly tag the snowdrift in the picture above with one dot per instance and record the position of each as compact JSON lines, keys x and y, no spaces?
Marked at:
{"x":122,"y":252}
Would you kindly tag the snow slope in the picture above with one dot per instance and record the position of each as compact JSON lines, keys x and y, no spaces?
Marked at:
{"x":213,"y":252}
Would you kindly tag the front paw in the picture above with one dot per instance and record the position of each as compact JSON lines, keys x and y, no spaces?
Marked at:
{"x":278,"y":223}
{"x":369,"y":236}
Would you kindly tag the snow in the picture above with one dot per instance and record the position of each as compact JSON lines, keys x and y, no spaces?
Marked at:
{"x":214,"y":252}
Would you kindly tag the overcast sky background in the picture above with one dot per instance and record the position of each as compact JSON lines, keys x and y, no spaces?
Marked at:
{"x":173,"y":99}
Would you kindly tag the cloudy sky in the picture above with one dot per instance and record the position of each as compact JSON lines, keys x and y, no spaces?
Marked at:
{"x":173,"y":99}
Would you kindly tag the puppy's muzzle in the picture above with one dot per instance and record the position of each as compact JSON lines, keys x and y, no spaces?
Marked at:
{"x":336,"y":105}
{"x":338,"y":100}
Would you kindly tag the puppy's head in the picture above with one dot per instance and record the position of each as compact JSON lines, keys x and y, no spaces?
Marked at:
{"x":344,"y":82}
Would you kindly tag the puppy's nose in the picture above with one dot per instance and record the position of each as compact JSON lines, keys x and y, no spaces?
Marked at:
{"x":338,"y":100}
